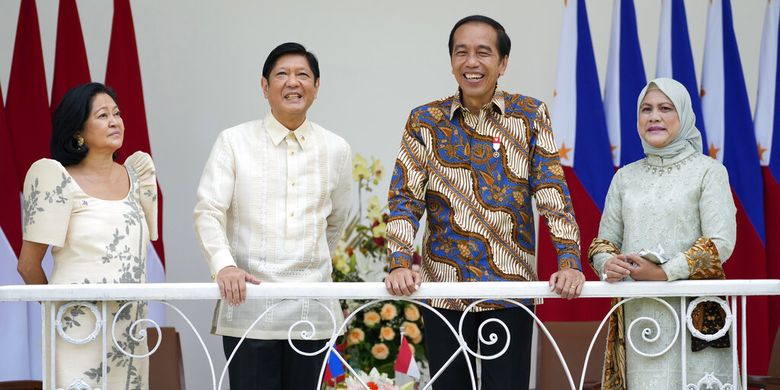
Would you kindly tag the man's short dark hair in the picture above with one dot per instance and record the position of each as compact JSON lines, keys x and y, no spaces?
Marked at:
{"x":69,"y":119}
{"x":503,"y":42}
{"x":290,"y":48}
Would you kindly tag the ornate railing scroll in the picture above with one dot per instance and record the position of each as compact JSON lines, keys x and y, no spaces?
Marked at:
{"x":735,"y":290}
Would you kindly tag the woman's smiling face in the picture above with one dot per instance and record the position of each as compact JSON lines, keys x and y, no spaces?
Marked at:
{"x":658,"y":122}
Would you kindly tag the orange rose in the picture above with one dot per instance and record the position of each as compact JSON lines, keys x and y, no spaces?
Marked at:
{"x":380,"y":351}
{"x":371,"y":318}
{"x":410,"y":329}
{"x":386,"y":333}
{"x":411,"y":312}
{"x":355,"y":336}
{"x":388,"y":311}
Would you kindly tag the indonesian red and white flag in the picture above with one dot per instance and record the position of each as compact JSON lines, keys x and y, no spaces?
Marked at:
{"x":70,"y":57}
{"x":28,"y":122}
{"x":406,"y":369}
{"x":123,"y":74}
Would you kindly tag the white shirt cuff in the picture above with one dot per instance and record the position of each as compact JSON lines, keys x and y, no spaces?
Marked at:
{"x":220,"y":260}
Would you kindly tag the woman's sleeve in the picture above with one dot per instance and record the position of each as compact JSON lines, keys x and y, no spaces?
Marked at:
{"x":705,"y":258}
{"x":47,"y":203}
{"x":147,"y":181}
{"x":718,"y":212}
{"x":610,"y":238}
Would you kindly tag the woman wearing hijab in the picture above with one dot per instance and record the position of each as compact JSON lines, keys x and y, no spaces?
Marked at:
{"x":668,"y":216}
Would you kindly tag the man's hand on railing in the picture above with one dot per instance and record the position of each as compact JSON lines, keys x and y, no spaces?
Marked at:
{"x":403,"y":281}
{"x":232,"y":284}
{"x":567,"y":283}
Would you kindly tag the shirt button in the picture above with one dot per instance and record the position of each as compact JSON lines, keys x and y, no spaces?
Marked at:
{"x":292,"y":152}
{"x":292,"y":214}
{"x":292,"y":184}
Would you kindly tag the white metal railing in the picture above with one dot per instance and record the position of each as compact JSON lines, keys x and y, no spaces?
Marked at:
{"x":734,"y":290}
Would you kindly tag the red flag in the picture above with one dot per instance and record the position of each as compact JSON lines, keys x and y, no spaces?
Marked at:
{"x":123,"y":74}
{"x":11,"y":217}
{"x":70,"y":60}
{"x":27,"y":108}
{"x":405,"y":363}
{"x":24,"y":135}
{"x":14,"y":334}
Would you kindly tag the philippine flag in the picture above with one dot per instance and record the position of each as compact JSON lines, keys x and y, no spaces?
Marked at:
{"x":766,"y":123}
{"x":732,"y":141}
{"x":675,"y":59}
{"x":581,"y":133}
{"x":334,"y":370}
{"x":625,"y":79}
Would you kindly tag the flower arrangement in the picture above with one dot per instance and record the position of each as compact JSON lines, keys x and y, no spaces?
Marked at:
{"x":372,"y":339}
{"x":364,"y":236}
{"x":375,"y":381}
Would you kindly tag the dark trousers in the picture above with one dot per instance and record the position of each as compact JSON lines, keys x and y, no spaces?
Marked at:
{"x":273,"y":364}
{"x":510,"y":371}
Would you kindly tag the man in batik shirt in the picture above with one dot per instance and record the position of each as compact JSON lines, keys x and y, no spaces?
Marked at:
{"x":473,"y":161}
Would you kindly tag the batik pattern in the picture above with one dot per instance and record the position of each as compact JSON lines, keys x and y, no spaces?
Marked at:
{"x":477,"y":193}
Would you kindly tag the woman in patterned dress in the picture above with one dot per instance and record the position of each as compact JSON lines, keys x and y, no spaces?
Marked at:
{"x":98,"y":217}
{"x":677,"y":203}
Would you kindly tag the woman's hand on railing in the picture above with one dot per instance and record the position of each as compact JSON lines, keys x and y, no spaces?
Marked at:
{"x":616,"y":269}
{"x":642,"y":269}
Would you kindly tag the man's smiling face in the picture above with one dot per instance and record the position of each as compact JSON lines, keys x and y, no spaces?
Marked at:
{"x":476,"y":62}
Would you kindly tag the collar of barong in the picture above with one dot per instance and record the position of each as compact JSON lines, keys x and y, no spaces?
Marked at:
{"x":708,"y":317}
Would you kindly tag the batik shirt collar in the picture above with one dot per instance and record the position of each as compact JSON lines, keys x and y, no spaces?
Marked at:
{"x":497,"y":103}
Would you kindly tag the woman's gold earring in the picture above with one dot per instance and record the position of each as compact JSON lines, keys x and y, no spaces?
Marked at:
{"x":79,"y":141}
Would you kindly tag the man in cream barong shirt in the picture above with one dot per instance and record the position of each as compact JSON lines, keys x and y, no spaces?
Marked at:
{"x":272,"y":203}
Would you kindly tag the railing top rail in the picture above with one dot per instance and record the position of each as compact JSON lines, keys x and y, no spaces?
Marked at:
{"x":488,"y":290}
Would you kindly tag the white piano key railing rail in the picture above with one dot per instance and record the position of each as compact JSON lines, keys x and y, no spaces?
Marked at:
{"x":729,"y":294}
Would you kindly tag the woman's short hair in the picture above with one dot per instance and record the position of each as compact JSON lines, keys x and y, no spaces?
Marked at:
{"x":69,"y":119}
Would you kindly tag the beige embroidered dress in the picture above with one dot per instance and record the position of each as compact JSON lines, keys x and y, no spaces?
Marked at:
{"x":684,"y":204}
{"x":93,"y":241}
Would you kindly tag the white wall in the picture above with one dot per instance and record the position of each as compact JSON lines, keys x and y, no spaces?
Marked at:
{"x":201,"y":64}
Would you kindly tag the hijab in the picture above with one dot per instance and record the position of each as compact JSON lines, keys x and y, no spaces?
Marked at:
{"x":689,"y":134}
